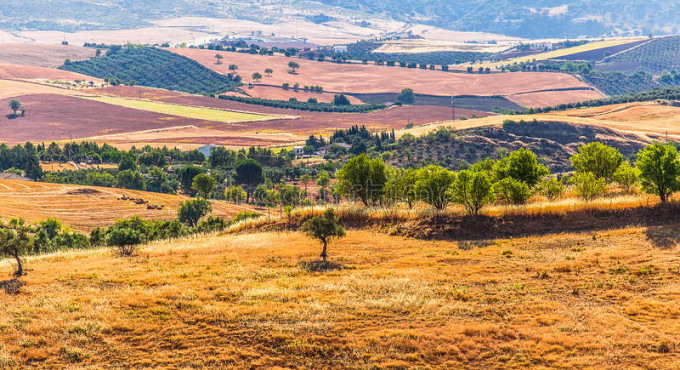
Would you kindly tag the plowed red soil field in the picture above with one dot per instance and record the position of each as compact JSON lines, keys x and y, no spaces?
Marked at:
{"x":359,"y":78}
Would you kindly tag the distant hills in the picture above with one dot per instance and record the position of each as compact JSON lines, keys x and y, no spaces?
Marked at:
{"x":522,"y":18}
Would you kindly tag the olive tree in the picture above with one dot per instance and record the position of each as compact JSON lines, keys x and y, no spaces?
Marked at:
{"x":473,"y":190}
{"x":363,"y":178}
{"x":323,"y":229}
{"x":15,"y":243}
{"x":599,"y":159}
{"x":191,"y":211}
{"x":659,"y":170}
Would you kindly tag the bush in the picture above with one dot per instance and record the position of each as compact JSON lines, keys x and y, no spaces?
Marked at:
{"x":212,"y":224}
{"x":552,"y":188}
{"x":473,"y":190}
{"x":512,"y":191}
{"x":125,"y":239}
{"x":588,"y":186}
{"x":191,"y":211}
{"x":406,"y":96}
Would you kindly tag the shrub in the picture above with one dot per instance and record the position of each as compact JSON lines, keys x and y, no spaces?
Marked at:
{"x":512,"y":191}
{"x":125,"y":239}
{"x":473,"y":190}
{"x":212,"y":224}
{"x":588,"y":186}
{"x":191,"y":211}
{"x":627,"y":177}
{"x":552,"y":188}
{"x":599,"y":159}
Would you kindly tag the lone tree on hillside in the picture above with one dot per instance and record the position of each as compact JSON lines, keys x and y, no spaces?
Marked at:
{"x":659,"y":170}
{"x":293,"y":66}
{"x":323,"y":229}
{"x":233,"y":68}
{"x":407,"y":96}
{"x":257,"y":76}
{"x":219,"y":58}
{"x":268,"y":71}
{"x":203,"y":185}
{"x":14,"y":105}
{"x":191,"y":211}
{"x":15,"y":243}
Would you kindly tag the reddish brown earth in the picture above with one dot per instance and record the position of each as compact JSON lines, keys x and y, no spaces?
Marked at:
{"x":360,"y":78}
{"x":310,"y":122}
{"x":51,"y":117}
{"x":13,"y":71}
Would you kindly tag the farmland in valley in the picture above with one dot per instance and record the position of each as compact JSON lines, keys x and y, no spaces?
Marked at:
{"x":83,"y":208}
{"x":359,"y":78}
{"x":177,"y":110}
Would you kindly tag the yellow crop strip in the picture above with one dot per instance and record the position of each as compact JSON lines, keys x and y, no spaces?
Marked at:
{"x":561,"y":52}
{"x":208,"y":114}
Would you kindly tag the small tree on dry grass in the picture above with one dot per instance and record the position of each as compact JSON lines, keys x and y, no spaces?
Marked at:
{"x":15,"y":243}
{"x":125,"y":239}
{"x":323,"y":229}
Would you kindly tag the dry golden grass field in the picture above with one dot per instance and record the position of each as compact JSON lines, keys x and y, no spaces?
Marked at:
{"x":83,"y":208}
{"x":605,"y":300}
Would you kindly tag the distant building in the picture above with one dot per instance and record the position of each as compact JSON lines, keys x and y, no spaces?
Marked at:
{"x":340,"y":49}
{"x":324,"y":149}
{"x":13,"y":176}
{"x":299,"y":150}
{"x":543,"y":45}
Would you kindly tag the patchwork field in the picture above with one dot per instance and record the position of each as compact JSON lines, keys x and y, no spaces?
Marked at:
{"x":84,"y":207}
{"x":359,"y":78}
{"x":177,"y":110}
{"x":277,"y":93}
{"x":605,"y":300}
{"x":645,"y":119}
{"x":563,"y":53}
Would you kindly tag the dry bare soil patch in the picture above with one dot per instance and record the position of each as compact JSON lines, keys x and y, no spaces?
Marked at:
{"x":359,"y":78}
{"x":42,"y":55}
{"x":85,"y":207}
{"x":579,"y":301}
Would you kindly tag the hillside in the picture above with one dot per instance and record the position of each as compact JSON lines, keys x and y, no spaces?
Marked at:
{"x":85,"y":207}
{"x":152,"y":67}
{"x":532,"y":19}
{"x":574,"y":300}
{"x":655,"y":56}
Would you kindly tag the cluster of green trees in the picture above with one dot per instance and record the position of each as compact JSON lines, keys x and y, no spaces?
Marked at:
{"x":340,"y":105}
{"x":153,"y":67}
{"x":512,"y":179}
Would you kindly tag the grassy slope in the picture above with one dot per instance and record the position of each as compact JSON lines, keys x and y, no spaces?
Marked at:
{"x":639,"y":118}
{"x":566,"y":301}
{"x":84,"y":211}
{"x":208,"y":114}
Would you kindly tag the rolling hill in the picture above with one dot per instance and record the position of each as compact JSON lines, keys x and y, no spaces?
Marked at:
{"x":152,"y":67}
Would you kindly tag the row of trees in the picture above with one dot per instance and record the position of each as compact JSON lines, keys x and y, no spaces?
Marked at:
{"x":512,"y":179}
